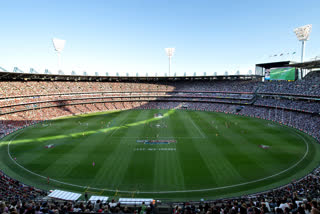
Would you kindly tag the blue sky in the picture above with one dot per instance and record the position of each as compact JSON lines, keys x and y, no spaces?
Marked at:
{"x":129,"y":36}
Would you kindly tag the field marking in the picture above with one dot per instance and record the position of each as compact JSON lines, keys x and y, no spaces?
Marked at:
{"x":157,"y":137}
{"x":162,"y":192}
{"x":197,"y":127}
{"x":120,"y":126}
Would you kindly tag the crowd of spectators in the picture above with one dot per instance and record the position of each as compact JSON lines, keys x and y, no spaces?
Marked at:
{"x":10,"y":89}
{"x":298,"y":197}
{"x":288,"y":199}
{"x":12,"y":190}
{"x":290,"y":104}
{"x":309,"y":86}
{"x":57,"y":207}
{"x":313,"y":76}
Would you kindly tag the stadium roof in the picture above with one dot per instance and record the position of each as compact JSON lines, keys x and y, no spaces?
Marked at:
{"x":304,"y":65}
{"x":307,"y":65}
{"x":269,"y":65}
{"x":12,"y":76}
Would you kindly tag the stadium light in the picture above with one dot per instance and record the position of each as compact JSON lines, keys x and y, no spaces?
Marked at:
{"x":170,"y":52}
{"x":302,"y":34}
{"x":58,"y":45}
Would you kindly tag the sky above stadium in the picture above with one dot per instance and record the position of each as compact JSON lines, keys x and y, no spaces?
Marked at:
{"x":129,"y":36}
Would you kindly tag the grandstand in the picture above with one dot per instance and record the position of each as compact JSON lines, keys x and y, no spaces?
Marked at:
{"x":160,"y":107}
{"x":28,"y":99}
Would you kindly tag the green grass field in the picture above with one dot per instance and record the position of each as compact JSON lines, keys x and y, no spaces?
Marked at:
{"x":214,"y":155}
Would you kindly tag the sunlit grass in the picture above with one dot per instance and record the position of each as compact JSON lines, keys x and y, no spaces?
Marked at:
{"x":91,"y":132}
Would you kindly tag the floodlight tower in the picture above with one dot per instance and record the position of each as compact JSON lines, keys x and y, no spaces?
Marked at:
{"x":58,"y":46}
{"x":170,"y":52}
{"x":302,"y":34}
